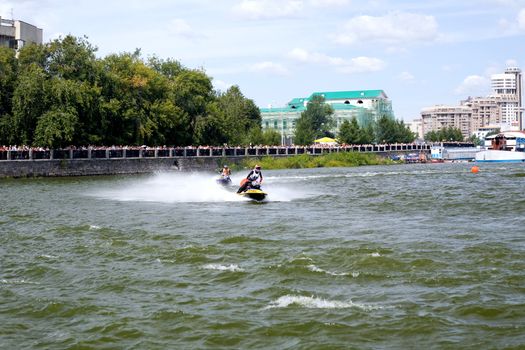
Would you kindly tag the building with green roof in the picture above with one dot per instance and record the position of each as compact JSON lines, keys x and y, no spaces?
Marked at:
{"x":365,"y":105}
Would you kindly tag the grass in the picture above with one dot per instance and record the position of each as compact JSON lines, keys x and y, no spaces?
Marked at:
{"x":330,"y":160}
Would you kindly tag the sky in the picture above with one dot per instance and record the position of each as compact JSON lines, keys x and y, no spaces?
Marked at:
{"x":421,"y":53}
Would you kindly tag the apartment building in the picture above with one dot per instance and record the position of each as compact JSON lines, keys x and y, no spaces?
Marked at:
{"x":502,"y":108}
{"x":439,"y":117}
{"x":15,"y":34}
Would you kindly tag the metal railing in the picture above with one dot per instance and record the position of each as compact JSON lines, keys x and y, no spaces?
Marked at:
{"x":191,"y":152}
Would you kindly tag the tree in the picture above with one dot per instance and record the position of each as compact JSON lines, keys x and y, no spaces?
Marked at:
{"x":386,"y":130}
{"x":403,"y":133}
{"x":304,"y":132}
{"x":389,"y":130}
{"x":241,"y":114}
{"x":118,"y":99}
{"x":8,"y":73}
{"x":72,"y":58}
{"x":271,"y":137}
{"x":192,"y":91}
{"x":446,"y":134}
{"x":209,"y":128}
{"x":367,"y":135}
{"x":475,"y":140}
{"x":28,"y":104}
{"x":56,"y":128}
{"x":350,"y":132}
{"x":314,"y":122}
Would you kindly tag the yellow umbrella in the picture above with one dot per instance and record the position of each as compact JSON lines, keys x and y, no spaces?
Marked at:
{"x":325,"y":140}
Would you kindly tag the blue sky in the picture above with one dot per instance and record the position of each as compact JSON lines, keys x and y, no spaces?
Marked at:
{"x":420,"y":53}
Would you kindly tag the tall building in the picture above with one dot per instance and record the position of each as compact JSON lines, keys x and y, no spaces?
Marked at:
{"x":502,"y":109}
{"x":485,"y":110}
{"x":365,"y":105}
{"x":15,"y":34}
{"x":508,"y":86}
{"x":439,"y":117}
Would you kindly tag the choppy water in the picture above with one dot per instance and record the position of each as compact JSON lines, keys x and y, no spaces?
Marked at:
{"x":390,"y":257}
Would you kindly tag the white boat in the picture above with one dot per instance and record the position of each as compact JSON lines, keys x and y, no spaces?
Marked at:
{"x":504,"y":147}
{"x":452,"y":151}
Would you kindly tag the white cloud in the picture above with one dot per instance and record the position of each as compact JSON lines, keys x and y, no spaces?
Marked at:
{"x":267,"y":9}
{"x":221,"y":84}
{"x":269,"y":67}
{"x":363,"y":64}
{"x":473,"y":84}
{"x":521,"y":19}
{"x":180,"y":27}
{"x":406,"y":76}
{"x":354,"y":65}
{"x":329,"y":3}
{"x":395,"y":27}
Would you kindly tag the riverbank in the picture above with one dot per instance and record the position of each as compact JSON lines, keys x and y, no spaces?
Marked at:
{"x":106,"y":161}
{"x":329,"y":160}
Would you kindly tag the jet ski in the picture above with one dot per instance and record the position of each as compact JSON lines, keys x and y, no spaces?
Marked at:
{"x":224,"y":181}
{"x":254,"y":193}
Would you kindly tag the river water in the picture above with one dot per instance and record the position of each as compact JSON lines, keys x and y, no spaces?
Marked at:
{"x":379,"y":257}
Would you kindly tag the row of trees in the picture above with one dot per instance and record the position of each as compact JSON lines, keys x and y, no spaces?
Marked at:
{"x":60,"y":93}
{"x":316,"y":121}
{"x":446,"y":134}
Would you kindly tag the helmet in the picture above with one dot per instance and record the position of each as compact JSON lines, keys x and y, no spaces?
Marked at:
{"x":225,"y":166}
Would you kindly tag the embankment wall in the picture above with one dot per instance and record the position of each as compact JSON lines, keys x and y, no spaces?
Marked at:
{"x":88,"y":167}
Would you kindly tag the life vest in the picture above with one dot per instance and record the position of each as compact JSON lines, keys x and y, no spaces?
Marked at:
{"x":254,"y":176}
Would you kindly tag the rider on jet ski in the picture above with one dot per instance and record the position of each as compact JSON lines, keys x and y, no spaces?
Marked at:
{"x":226,"y":172}
{"x":253,"y":180}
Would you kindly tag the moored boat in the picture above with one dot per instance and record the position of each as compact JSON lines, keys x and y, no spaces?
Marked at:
{"x":504,"y":147}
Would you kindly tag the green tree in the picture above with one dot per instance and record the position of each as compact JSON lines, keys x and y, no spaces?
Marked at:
{"x":192,"y":91}
{"x":210,"y":129}
{"x":475,"y":140}
{"x":56,"y":128}
{"x":8,"y":74}
{"x":314,"y":122}
{"x":33,"y":54}
{"x":432,"y":136}
{"x":389,"y":130}
{"x":304,"y":132}
{"x":241,"y":114}
{"x":28,"y":104}
{"x":168,"y":68}
{"x":254,"y":136}
{"x":118,"y":99}
{"x":367,"y":135}
{"x":403,"y":133}
{"x":386,"y":130}
{"x":72,"y":58}
{"x":350,"y":132}
{"x":271,"y":137}
{"x":451,"y":134}
{"x":129,"y":89}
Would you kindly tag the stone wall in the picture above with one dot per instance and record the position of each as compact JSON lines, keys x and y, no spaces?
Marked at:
{"x":87,"y":167}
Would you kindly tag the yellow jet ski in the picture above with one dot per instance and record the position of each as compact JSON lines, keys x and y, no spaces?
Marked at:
{"x":255,"y":194}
